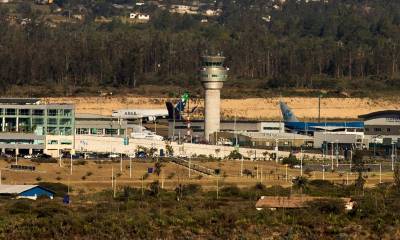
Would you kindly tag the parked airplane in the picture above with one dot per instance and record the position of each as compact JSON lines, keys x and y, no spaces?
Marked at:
{"x":294,"y":125}
{"x":153,"y":114}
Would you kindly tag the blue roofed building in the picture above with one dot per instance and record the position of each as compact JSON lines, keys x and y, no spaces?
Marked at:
{"x":26,"y":191}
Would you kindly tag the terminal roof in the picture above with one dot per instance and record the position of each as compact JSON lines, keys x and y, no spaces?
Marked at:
{"x":19,"y":101}
{"x":380,"y":113}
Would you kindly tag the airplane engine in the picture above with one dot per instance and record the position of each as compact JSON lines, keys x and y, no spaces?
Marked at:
{"x":151,"y":118}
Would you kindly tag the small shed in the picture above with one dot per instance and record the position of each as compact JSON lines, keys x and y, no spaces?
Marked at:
{"x":26,"y":191}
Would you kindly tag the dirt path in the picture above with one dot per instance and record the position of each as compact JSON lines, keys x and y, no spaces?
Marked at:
{"x":250,"y":108}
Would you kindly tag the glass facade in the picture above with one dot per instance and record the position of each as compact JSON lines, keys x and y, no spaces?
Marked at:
{"x":45,"y":120}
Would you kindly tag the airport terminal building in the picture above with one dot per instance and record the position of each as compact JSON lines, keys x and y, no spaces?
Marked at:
{"x":29,"y":126}
{"x":383,"y":125}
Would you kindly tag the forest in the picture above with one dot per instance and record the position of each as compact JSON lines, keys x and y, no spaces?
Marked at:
{"x":338,"y":45}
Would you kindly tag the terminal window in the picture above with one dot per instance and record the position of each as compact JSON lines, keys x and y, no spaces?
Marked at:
{"x":52,"y":121}
{"x":377,"y":129}
{"x":38,"y":112}
{"x":24,"y":112}
{"x":65,"y":121}
{"x":10,"y":111}
{"x":66,"y":112}
{"x":52,"y":112}
{"x":37,"y":121}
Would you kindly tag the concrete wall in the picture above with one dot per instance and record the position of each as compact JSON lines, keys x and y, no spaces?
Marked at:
{"x":115,"y":144}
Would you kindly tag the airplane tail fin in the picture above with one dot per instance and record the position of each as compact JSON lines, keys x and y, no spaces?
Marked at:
{"x":287,"y":114}
{"x":171,"y":111}
{"x":178,"y":108}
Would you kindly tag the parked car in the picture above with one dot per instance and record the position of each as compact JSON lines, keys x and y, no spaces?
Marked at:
{"x":141,"y":154}
{"x":29,"y":156}
{"x":113,"y":155}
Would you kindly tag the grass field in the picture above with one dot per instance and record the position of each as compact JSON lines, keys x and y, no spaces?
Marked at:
{"x":94,"y":177}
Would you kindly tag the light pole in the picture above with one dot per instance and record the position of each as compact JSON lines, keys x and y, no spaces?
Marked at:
{"x":276,"y":149}
{"x":301,"y":161}
{"x":392,"y":156}
{"x":130,"y":166}
{"x":337,"y":154}
{"x":286,"y":170}
{"x":332,"y":156}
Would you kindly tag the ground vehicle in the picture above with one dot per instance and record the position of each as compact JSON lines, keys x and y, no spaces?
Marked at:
{"x":29,"y":156}
{"x":141,"y":154}
{"x":113,"y":155}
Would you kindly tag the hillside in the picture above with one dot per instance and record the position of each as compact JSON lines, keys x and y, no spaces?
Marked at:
{"x":249,"y":108}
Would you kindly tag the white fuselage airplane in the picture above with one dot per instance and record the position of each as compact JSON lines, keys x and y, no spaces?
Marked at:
{"x":145,"y":114}
{"x":170,"y":111}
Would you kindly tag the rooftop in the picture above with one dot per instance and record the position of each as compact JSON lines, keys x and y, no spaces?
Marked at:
{"x":290,"y":202}
{"x":16,"y":189}
{"x":20,"y":101}
{"x":380,"y":113}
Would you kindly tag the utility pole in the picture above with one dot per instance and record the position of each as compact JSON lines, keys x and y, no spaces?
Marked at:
{"x":115,"y":187}
{"x":241,"y":167}
{"x":332,"y":155}
{"x":112,"y":177}
{"x":319,"y":108}
{"x":142,"y":187}
{"x":301,"y":161}
{"x":71,"y":164}
{"x":286,"y":170}
{"x":120,"y":163}
{"x":130,"y":166}
{"x":257,"y":170}
{"x":189,"y":167}
{"x":323,"y":172}
{"x":276,"y":150}
{"x":217,"y":188}
{"x":337,"y":154}
{"x":392,"y":156}
{"x":380,"y":172}
{"x":351,"y":159}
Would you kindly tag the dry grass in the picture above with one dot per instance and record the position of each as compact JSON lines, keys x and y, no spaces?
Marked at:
{"x":250,"y":108}
{"x":100,"y":178}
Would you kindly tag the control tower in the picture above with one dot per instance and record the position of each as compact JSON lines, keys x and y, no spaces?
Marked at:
{"x":213,"y":76}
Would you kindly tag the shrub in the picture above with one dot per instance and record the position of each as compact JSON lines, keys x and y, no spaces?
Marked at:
{"x":58,"y":178}
{"x":247,"y":172}
{"x":335,"y":206}
{"x":79,"y":162}
{"x":145,"y":176}
{"x":83,"y":177}
{"x":44,"y":160}
{"x":38,"y":179}
{"x":154,"y":188}
{"x":171,"y":175}
{"x":291,"y":160}
{"x":89,"y":174}
{"x":235,"y":154}
{"x":260,"y":186}
{"x":190,"y":189}
{"x":230,"y":191}
{"x":20,"y":207}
